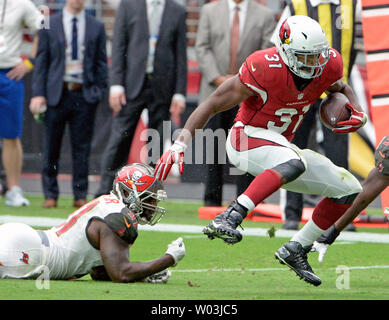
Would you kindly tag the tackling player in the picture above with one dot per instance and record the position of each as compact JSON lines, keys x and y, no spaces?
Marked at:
{"x":96,"y":238}
{"x":374,"y":184}
{"x":275,"y":88}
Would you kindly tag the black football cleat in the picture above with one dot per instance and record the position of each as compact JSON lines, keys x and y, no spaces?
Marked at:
{"x":294,"y":256}
{"x":225,"y":224}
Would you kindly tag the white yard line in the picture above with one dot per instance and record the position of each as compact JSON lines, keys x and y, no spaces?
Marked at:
{"x":267,"y":269}
{"x":192,"y":229}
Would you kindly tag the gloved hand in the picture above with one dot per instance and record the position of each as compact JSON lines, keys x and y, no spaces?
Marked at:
{"x":174,"y":155}
{"x":357,"y":120}
{"x":321,"y":248}
{"x":177,"y":250}
{"x":159,"y":277}
{"x":322,"y":244}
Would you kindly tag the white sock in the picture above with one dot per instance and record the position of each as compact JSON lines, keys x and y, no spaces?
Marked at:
{"x":308,"y":234}
{"x":246,"y":202}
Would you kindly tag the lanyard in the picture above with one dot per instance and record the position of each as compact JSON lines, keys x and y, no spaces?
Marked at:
{"x":3,"y":15}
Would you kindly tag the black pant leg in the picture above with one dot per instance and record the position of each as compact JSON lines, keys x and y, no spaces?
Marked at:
{"x":54,"y":122}
{"x":81,"y":125}
{"x":117,"y":150}
{"x":214,"y":171}
{"x":242,"y":182}
{"x":159,"y":114}
{"x":215,"y":175}
{"x":336,"y":147}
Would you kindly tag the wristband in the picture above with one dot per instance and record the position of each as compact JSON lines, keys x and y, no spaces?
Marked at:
{"x":329,"y":236}
{"x":28,"y":64}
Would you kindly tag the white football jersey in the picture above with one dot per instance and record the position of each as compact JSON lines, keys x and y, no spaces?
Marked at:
{"x":71,"y":253}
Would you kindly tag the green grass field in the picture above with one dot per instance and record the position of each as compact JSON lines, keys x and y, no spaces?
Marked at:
{"x":213,"y":270}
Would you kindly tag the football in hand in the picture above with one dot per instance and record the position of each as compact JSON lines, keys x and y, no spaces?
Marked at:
{"x":333,"y":110}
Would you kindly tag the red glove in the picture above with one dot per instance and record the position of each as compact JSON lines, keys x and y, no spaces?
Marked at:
{"x":357,"y":120}
{"x":174,"y":155}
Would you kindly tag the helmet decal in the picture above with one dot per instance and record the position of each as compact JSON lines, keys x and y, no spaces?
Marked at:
{"x":136,"y":175}
{"x":285,"y":32}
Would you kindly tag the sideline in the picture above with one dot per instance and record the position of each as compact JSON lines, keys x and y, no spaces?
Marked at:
{"x":185,"y":228}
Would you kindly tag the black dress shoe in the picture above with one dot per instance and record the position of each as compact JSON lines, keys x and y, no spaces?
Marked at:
{"x":212,"y":203}
{"x":291,"y":225}
{"x":351,"y":228}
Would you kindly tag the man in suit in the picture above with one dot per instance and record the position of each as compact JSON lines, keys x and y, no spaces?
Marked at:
{"x":70,"y":77}
{"x":149,"y":70}
{"x":236,"y":27}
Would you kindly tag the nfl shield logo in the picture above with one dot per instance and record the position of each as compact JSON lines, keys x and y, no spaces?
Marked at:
{"x":300,"y":96}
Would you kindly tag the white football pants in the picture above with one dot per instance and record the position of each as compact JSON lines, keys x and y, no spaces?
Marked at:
{"x":22,"y":254}
{"x":321,"y":176}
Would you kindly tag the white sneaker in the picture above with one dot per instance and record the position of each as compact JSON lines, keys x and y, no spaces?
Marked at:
{"x":14,"y":198}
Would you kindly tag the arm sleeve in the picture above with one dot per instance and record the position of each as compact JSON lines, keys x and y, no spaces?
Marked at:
{"x":119,"y":46}
{"x":285,"y":15}
{"x":181,"y":57}
{"x":101,"y":61}
{"x":32,"y":17}
{"x":268,"y":31}
{"x":39,"y":76}
{"x":204,"y":53}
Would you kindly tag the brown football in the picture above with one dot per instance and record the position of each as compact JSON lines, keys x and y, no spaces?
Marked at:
{"x":333,"y":109}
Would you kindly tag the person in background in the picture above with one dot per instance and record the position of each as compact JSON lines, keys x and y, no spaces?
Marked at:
{"x":238,"y":27}
{"x":14,"y":16}
{"x":70,"y":78}
{"x":149,"y":70}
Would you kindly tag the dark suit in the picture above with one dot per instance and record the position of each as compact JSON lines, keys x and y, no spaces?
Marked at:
{"x":76,"y":108}
{"x":130,"y":49}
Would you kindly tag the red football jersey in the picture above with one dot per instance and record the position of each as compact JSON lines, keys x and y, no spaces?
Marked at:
{"x":277,"y":104}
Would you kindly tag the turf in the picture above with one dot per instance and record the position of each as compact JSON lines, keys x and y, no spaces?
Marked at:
{"x":212,"y":270}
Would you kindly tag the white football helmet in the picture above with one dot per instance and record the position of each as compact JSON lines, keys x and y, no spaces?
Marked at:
{"x":136,"y":186}
{"x":303,"y":46}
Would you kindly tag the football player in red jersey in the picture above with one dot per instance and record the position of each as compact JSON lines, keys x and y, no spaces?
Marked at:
{"x":275,"y":88}
{"x":94,"y":239}
{"x":376,"y":182}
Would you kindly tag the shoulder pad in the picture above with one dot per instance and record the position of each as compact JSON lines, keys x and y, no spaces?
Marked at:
{"x":381,"y":156}
{"x":334,"y":66}
{"x":124,"y":224}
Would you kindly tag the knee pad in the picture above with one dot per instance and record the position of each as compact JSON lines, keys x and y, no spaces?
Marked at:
{"x":345,"y":200}
{"x":291,"y":169}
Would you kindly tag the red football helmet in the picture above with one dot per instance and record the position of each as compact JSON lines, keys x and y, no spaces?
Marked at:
{"x":137,"y":188}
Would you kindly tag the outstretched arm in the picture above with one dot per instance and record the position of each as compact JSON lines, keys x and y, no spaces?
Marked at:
{"x":374,"y":184}
{"x":231,"y":93}
{"x":115,"y":255}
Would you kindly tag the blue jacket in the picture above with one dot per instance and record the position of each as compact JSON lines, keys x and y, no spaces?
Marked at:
{"x":49,"y":66}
